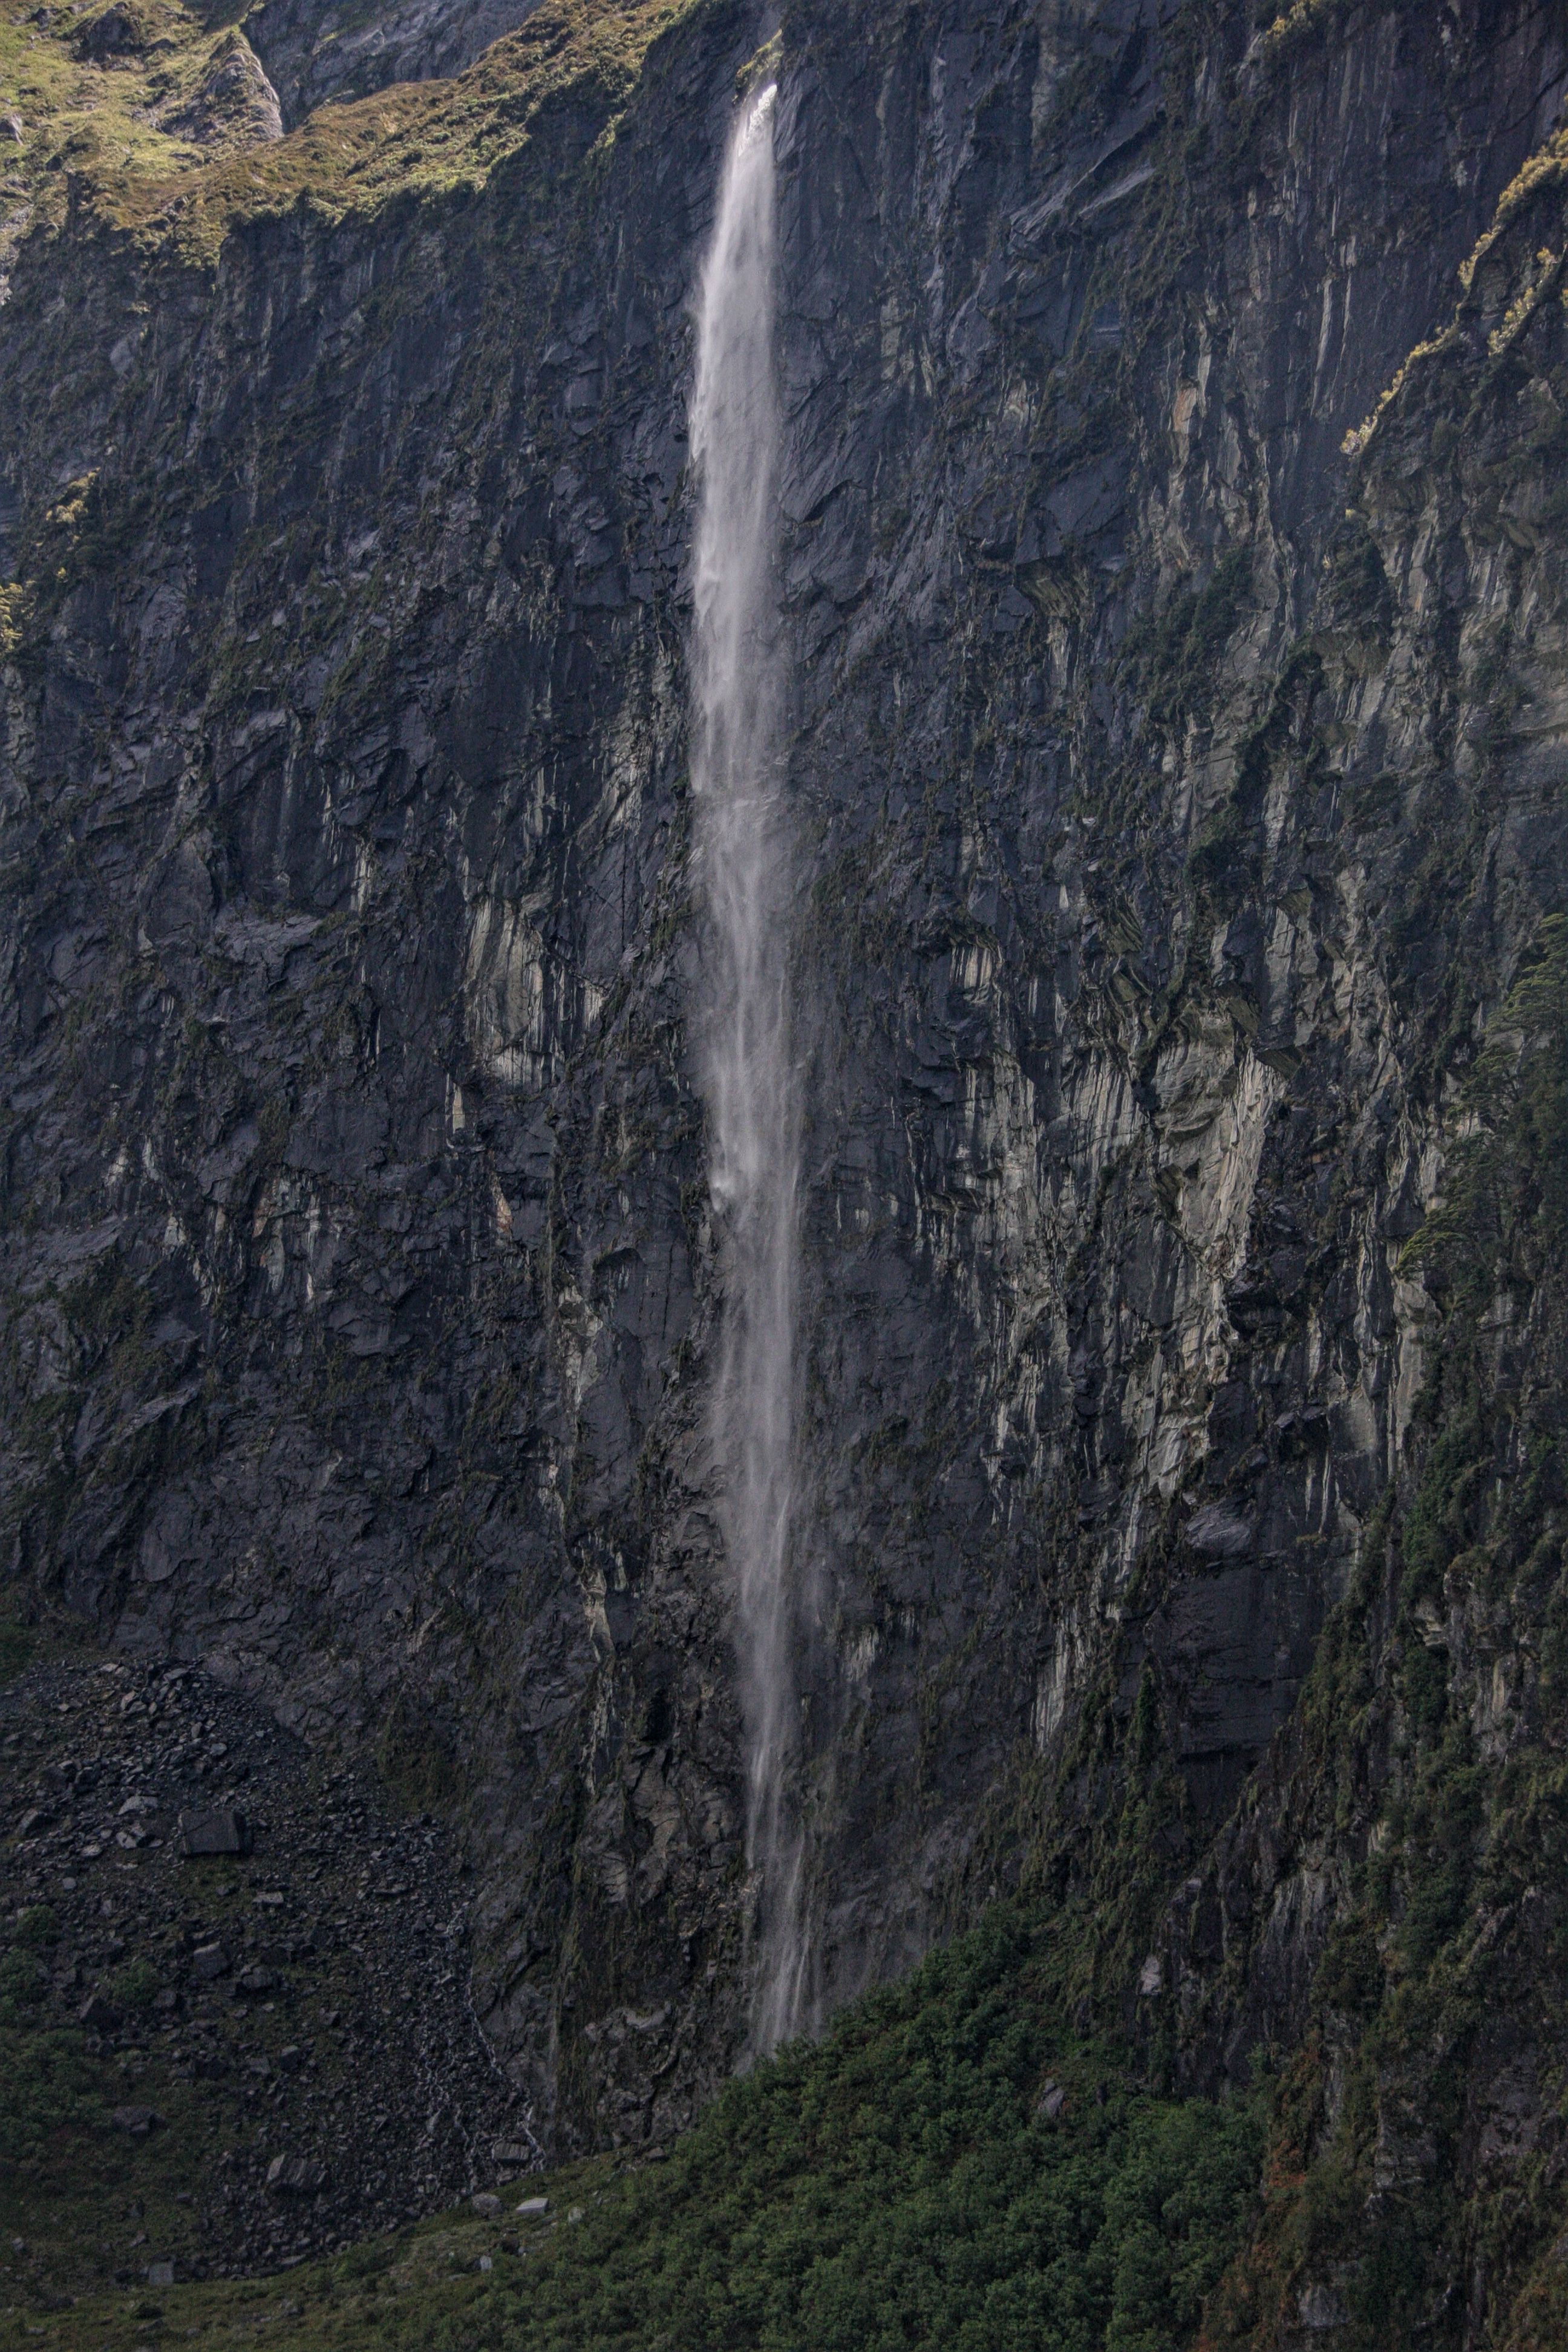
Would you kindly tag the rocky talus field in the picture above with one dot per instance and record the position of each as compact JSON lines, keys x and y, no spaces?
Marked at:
{"x":1172,"y":503}
{"x":210,"y":1969}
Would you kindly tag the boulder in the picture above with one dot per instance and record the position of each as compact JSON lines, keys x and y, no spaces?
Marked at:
{"x":137,"y":2121}
{"x":296,"y":2176}
{"x":118,"y":31}
{"x":222,"y":1830}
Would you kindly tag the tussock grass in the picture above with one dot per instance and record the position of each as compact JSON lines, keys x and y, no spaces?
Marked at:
{"x":97,"y":135}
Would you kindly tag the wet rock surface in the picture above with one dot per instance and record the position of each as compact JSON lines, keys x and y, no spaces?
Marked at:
{"x":1169,"y":847}
{"x":278,"y":2044}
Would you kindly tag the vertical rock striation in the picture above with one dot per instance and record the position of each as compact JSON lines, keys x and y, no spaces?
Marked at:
{"x":1178,"y":811}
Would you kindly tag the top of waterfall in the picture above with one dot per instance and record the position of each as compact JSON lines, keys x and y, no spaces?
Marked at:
{"x":758,"y":112}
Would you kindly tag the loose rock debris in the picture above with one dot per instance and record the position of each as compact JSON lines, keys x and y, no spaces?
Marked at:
{"x":273,"y":2059}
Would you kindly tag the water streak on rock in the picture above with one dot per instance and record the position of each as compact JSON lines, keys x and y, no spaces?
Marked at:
{"x":745,"y":869}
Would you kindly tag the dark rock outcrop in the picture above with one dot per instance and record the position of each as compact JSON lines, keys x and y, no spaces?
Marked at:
{"x":1181,"y":794}
{"x":318,"y":56}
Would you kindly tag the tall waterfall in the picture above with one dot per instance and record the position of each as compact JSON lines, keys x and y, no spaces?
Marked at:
{"x":745,"y":867}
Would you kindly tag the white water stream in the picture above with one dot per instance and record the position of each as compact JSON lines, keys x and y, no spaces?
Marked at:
{"x":746,"y":873}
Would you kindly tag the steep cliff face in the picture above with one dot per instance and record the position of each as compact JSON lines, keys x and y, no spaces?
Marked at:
{"x":1381,"y":1908}
{"x":1180,"y":796}
{"x":316,"y":55}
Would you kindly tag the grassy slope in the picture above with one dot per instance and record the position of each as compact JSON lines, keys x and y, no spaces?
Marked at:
{"x":897,"y":2186}
{"x":91,"y":130}
{"x":77,"y":114}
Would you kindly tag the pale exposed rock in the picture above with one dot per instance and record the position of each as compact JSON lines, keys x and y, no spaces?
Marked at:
{"x":296,"y":2176}
{"x":233,"y":106}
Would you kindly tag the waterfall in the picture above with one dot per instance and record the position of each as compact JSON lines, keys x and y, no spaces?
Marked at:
{"x":745,"y":870}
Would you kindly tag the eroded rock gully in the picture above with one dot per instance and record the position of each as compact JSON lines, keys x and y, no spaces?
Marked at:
{"x":1168,"y":841}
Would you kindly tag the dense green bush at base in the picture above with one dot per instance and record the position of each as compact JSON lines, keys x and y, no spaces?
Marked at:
{"x":898,"y":2186}
{"x":912,"y":2180}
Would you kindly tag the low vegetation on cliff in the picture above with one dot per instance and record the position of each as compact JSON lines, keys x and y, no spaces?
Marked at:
{"x":949,"y":2168}
{"x":153,"y":118}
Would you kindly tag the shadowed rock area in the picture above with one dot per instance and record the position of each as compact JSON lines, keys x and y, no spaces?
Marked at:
{"x":268,"y":1970}
{"x":1175,"y":403}
{"x":316,"y":55}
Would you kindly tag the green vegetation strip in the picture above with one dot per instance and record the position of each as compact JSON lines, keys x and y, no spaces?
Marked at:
{"x":114,"y":127}
{"x":946,"y":2168}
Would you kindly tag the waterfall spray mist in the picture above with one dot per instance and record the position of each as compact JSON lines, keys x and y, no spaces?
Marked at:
{"x":745,"y":867}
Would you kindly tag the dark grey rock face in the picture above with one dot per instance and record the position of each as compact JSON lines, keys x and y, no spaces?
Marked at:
{"x":318,"y":56}
{"x":358,"y":1273}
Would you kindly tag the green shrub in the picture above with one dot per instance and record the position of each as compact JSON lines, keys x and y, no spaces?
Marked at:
{"x":134,"y":1987}
{"x":47,"y":2085}
{"x":15,"y":1648}
{"x":897,"y":2187}
{"x":36,"y":1927}
{"x":23,"y":1978}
